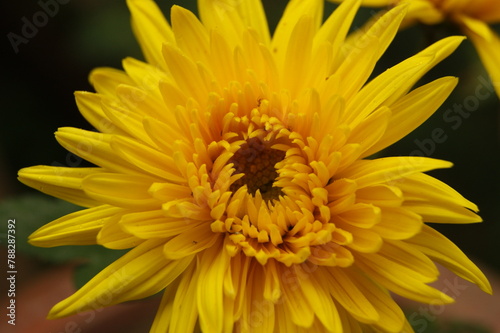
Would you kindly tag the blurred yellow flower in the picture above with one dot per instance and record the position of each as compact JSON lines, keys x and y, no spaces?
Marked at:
{"x":234,"y":167}
{"x":472,"y":16}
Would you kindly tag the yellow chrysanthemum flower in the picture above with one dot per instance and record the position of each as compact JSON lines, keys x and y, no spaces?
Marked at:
{"x":234,"y":167}
{"x":472,"y":16}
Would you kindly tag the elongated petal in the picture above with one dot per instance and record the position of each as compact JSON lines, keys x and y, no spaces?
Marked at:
{"x":209,"y":293}
{"x":293,"y":13}
{"x":121,"y":190}
{"x":78,"y":228}
{"x":398,"y":80}
{"x":487,"y":44}
{"x":151,"y":29}
{"x":319,"y":299}
{"x":93,"y":147}
{"x":401,"y":279}
{"x":184,"y":310}
{"x":113,"y":236}
{"x":105,"y":80}
{"x":194,"y":240}
{"x":232,"y":17}
{"x":142,"y":272}
{"x":90,"y":107}
{"x":61,"y":182}
{"x":391,"y":317}
{"x":150,"y":160}
{"x":420,"y":187}
{"x":388,"y":169}
{"x":412,"y":110}
{"x":442,"y":250}
{"x":348,"y":294}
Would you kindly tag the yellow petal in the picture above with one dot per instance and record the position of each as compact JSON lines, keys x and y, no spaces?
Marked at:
{"x":186,"y":74}
{"x":387,"y":169}
{"x":294,"y":11}
{"x":398,"y":223}
{"x":148,"y":159}
{"x":154,"y":224}
{"x":93,"y":147}
{"x":197,"y":238}
{"x":336,"y":26}
{"x":184,"y":311}
{"x":144,"y":75}
{"x":209,"y":292}
{"x":420,"y":187}
{"x":254,"y":303}
{"x":128,"y":191}
{"x":391,"y":318}
{"x":369,"y":131}
{"x":346,"y":292}
{"x":296,"y":65}
{"x":151,"y":29}
{"x":423,"y":11}
{"x":191,"y":36}
{"x":105,"y":80}
{"x":319,"y":299}
{"x":126,"y":121}
{"x":89,"y":105}
{"x":231,"y":18}
{"x":114,"y":237}
{"x":401,"y":279}
{"x":441,"y":213}
{"x":412,"y":110}
{"x":140,"y":273}
{"x":442,"y":250}
{"x":397,"y":80}
{"x":297,"y":307}
{"x":381,"y":196}
{"x":487,"y":44}
{"x":60,"y":182}
{"x":164,"y":316}
{"x":78,"y":228}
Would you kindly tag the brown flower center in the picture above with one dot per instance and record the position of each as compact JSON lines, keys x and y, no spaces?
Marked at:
{"x":256,"y":160}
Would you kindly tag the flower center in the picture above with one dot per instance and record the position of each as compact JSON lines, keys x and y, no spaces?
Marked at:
{"x":256,"y":160}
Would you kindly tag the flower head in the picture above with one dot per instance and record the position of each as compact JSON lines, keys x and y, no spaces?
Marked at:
{"x":234,"y":167}
{"x":472,"y":16}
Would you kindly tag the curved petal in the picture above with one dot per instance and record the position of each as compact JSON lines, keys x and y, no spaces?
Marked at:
{"x":487,"y":44}
{"x":412,"y":110}
{"x":78,"y":228}
{"x":128,"y":191}
{"x":60,"y":182}
{"x":231,"y":18}
{"x":442,"y":250}
{"x":151,"y":30}
{"x":391,"y":85}
{"x":178,"y":309}
{"x":89,"y":105}
{"x":210,"y":287}
{"x":105,"y":80}
{"x":293,"y":13}
{"x":140,"y":273}
{"x":95,"y":148}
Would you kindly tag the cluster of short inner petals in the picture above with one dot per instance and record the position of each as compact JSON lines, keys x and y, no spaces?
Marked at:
{"x":275,"y":195}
